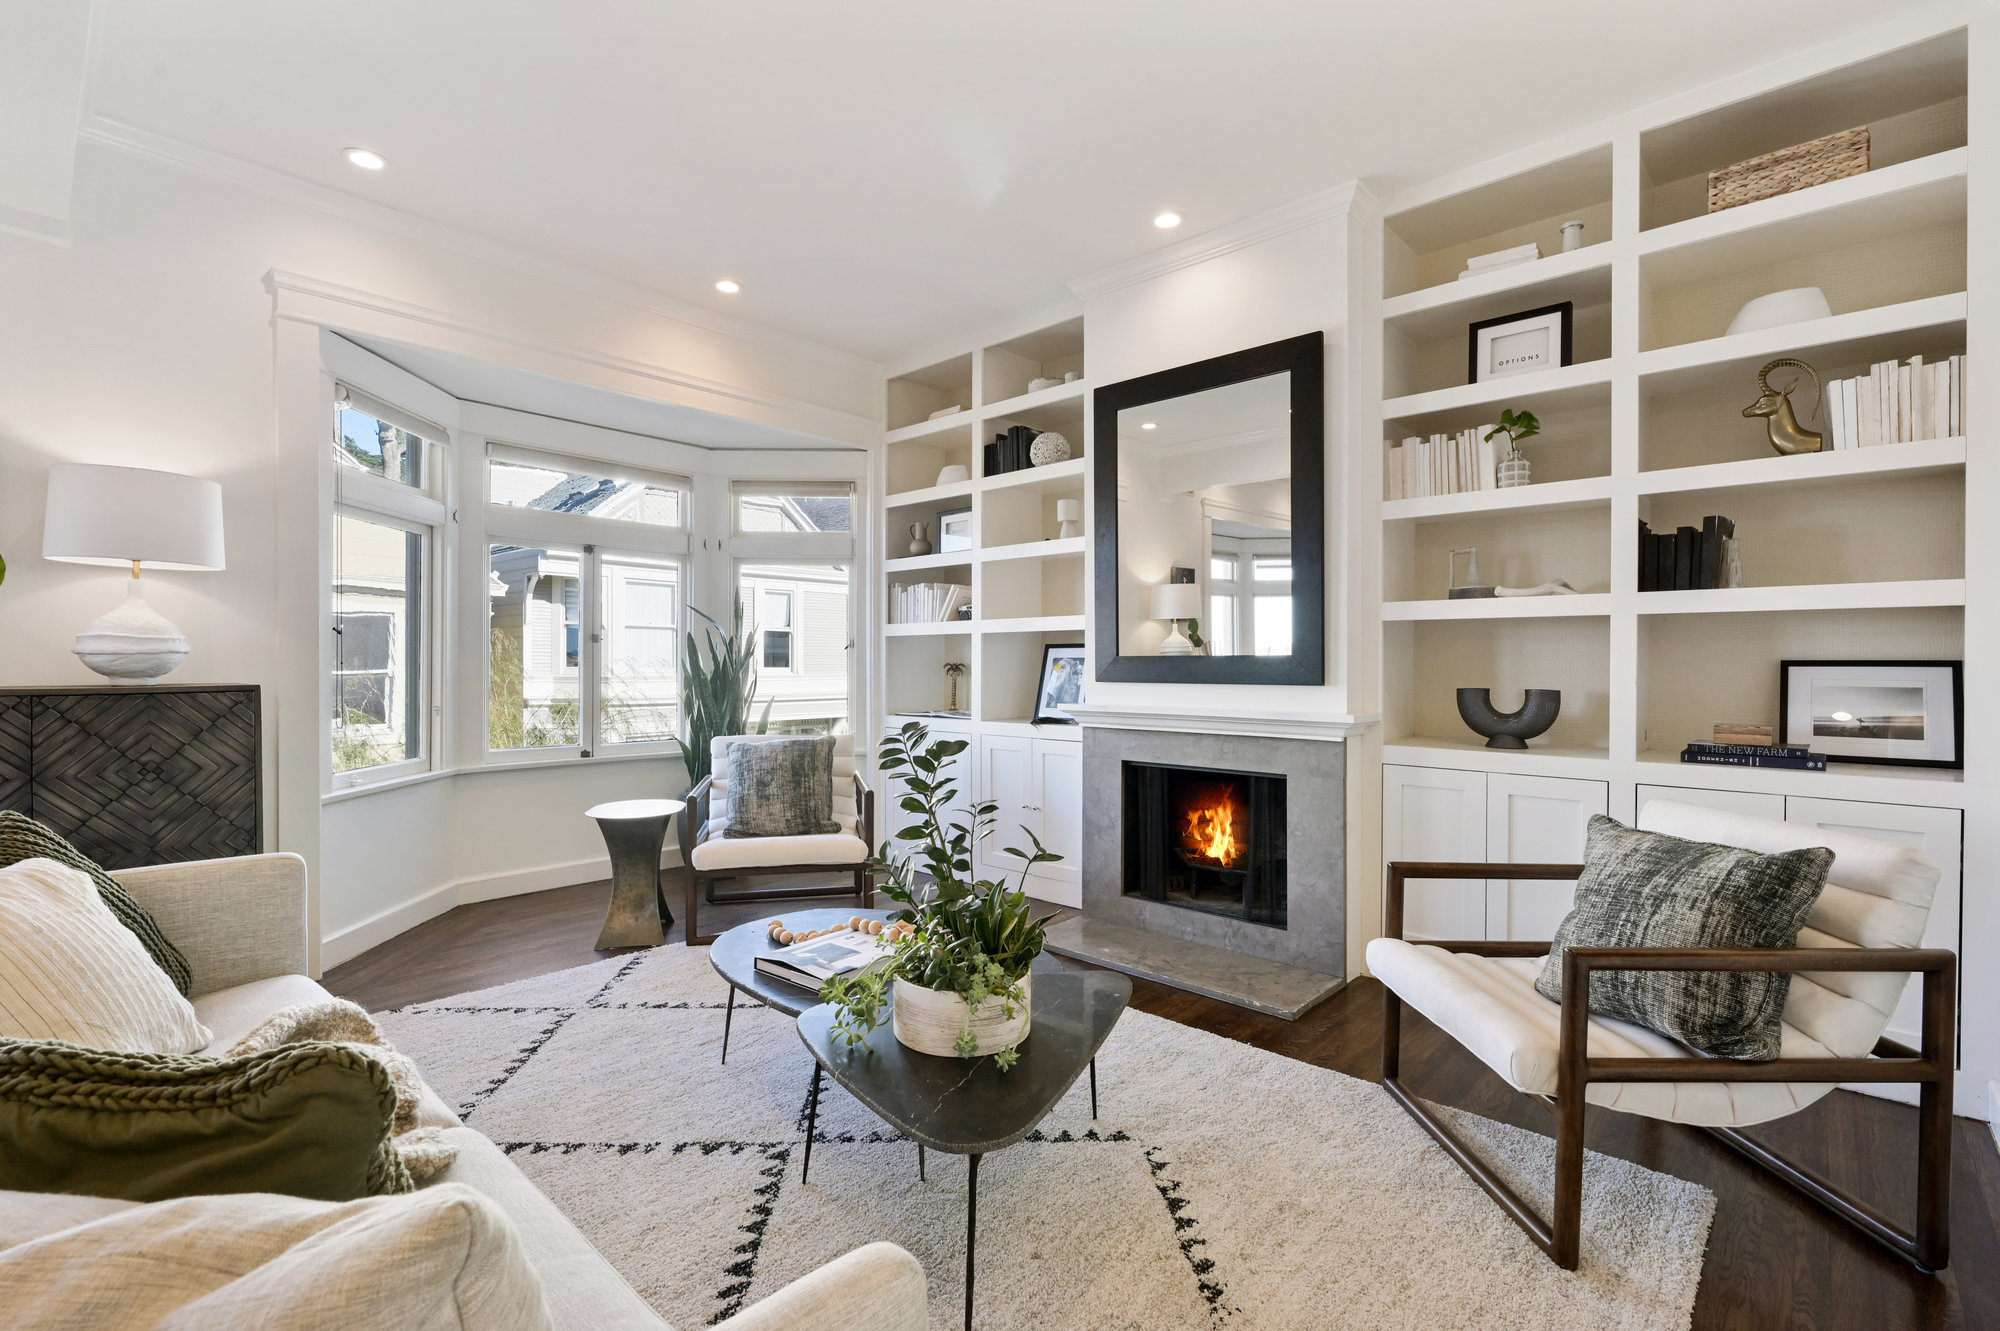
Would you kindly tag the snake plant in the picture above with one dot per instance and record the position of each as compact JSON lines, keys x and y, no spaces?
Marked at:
{"x":716,"y":697}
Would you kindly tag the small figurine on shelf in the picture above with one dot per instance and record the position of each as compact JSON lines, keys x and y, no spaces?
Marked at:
{"x":1516,"y":425}
{"x":952,"y":670}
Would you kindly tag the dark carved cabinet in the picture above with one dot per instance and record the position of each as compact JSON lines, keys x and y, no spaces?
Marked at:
{"x":137,"y":776}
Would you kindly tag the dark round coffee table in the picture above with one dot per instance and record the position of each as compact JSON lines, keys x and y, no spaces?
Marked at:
{"x":734,"y":955}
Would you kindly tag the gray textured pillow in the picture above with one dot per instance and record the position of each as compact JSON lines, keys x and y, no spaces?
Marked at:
{"x":782,"y":787}
{"x":1646,"y":889}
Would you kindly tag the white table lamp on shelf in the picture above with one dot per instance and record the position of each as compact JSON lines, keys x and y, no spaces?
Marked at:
{"x":127,"y":515}
{"x":1069,"y":512}
{"x":1176,"y":601}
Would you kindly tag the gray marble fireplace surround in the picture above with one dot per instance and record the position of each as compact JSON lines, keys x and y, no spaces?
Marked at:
{"x":1279,"y":970}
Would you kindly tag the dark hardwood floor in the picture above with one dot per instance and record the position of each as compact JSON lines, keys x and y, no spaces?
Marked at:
{"x":1774,"y":1260}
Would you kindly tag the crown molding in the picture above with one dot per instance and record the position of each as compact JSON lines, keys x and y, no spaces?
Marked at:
{"x":108,"y":133}
{"x":1269,"y":225}
{"x":329,"y":304}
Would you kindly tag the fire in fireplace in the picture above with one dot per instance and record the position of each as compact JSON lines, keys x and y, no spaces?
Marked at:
{"x":1206,"y":840}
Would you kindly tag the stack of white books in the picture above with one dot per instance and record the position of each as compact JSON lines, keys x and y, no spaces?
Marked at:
{"x":927,"y":602}
{"x":1897,"y":403}
{"x":1444,"y":464}
{"x":1480,"y":264}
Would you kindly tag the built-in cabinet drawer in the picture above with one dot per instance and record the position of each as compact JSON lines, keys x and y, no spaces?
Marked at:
{"x":1438,"y":813}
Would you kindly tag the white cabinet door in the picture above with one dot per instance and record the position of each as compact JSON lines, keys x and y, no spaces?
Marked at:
{"x":889,"y":791}
{"x":1059,"y":805}
{"x":1437,"y":813}
{"x":1535,"y":820}
{"x":1735,"y":801}
{"x":1937,"y":833}
{"x":1007,"y":778}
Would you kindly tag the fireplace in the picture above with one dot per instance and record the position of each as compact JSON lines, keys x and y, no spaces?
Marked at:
{"x":1206,"y":839}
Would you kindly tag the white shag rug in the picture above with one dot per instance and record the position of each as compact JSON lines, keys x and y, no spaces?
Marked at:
{"x":1222,"y":1186}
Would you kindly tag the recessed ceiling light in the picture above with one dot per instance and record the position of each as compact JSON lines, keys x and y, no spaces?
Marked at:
{"x":367,"y":159}
{"x":728,"y":287}
{"x":1149,"y":425}
{"x":1167,"y":220}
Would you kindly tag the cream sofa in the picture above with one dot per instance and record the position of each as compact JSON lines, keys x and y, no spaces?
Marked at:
{"x":242,"y":925}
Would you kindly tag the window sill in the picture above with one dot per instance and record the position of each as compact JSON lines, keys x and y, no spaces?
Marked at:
{"x":377,"y":787}
{"x":531,"y":765}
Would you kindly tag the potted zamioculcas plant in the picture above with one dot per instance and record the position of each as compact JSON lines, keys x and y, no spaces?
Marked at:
{"x":959,"y":982}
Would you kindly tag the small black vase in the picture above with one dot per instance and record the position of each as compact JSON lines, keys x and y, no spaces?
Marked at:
{"x":1509,"y":730}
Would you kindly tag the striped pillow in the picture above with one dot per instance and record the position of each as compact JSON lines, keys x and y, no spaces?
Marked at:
{"x":22,"y":838}
{"x":70,"y":971}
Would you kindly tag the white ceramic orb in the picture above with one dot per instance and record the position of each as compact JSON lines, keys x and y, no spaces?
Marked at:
{"x":1792,"y":306}
{"x":1048,"y":449}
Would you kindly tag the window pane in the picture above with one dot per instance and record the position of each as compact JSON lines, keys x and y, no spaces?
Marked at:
{"x":378,"y":677}
{"x":531,"y":654}
{"x":803,"y":660}
{"x":1219,"y":629}
{"x":794,"y":513}
{"x":554,"y":490}
{"x":365,"y":444}
{"x":1273,"y":625}
{"x":1273,"y":568}
{"x":639,"y":687}
{"x":1222,"y":570}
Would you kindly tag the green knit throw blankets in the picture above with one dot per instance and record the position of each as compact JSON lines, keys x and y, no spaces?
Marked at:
{"x":22,"y":838}
{"x":308,"y":1120}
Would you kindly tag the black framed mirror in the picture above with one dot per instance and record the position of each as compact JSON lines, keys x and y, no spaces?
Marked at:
{"x":1210,"y":520}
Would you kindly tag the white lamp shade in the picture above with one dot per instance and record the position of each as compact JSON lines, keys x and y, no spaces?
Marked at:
{"x":1069,"y":510}
{"x":115,"y":515}
{"x":1176,"y":600}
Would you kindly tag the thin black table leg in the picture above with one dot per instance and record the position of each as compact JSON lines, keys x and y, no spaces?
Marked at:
{"x":812,"y":1121}
{"x":1093,"y":1074}
{"x":920,"y":1162}
{"x":728,"y":1014}
{"x":971,"y":1229}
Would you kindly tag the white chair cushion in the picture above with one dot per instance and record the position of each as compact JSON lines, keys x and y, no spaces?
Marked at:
{"x":1489,"y":1005}
{"x":1878,"y":894}
{"x":771,"y":852}
{"x":844,"y":810}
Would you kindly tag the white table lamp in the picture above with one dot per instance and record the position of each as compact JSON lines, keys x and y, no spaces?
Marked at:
{"x":1176,"y":601}
{"x":1069,"y":512}
{"x":127,"y":515}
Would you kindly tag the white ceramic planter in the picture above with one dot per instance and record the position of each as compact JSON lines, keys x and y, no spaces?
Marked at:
{"x":929,"y":1020}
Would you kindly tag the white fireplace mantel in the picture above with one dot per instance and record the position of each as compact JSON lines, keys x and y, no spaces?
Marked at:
{"x":1221,"y":721}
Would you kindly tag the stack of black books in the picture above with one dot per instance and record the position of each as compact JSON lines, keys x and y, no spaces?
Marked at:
{"x":1794,"y":756}
{"x":1009,"y":451}
{"x":1689,"y":559}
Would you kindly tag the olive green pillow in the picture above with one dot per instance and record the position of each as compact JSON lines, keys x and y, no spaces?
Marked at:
{"x":22,"y":838}
{"x":306,"y":1120}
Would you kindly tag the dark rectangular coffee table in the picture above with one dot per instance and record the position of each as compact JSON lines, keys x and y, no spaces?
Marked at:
{"x":937,"y":1102}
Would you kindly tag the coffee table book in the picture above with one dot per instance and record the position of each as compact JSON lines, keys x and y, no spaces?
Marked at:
{"x":817,"y":960}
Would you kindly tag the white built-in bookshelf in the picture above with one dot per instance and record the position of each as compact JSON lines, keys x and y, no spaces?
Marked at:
{"x":1027,"y":582}
{"x":1859,"y":553}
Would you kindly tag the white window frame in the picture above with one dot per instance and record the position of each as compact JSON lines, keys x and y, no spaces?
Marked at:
{"x":742,"y":489}
{"x":364,"y":496}
{"x":596,"y":538}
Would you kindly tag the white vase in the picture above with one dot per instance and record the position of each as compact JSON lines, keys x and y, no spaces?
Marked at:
{"x":132,"y":641}
{"x":929,"y":1020}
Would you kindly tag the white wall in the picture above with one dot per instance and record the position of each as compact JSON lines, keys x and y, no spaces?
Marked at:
{"x":149,"y":340}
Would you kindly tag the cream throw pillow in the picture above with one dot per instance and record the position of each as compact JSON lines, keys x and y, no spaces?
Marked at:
{"x":445,"y":1259}
{"x":70,"y":971}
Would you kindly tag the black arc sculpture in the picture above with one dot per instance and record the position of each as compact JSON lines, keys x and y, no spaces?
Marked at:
{"x":1509,"y":730}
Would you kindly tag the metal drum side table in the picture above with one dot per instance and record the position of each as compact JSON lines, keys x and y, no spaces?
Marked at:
{"x":634,"y":832}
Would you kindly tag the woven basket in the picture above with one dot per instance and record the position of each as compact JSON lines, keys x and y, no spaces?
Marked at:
{"x":1799,"y":167}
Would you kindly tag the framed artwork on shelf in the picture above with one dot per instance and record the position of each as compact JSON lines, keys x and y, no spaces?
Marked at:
{"x":1519,"y":343}
{"x":954,"y":530}
{"x":1897,"y":713}
{"x":1061,"y":683}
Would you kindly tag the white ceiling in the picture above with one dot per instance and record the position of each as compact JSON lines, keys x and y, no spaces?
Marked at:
{"x":887,"y":174}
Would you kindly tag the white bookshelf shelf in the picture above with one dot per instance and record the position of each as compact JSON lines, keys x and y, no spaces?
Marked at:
{"x":917,"y":563}
{"x":1582,"y":277}
{"x":943,"y":628}
{"x":1034,"y":624}
{"x":1056,"y":549}
{"x":1858,"y":327}
{"x":1026,"y":402}
{"x":1926,"y":455}
{"x":1496,"y":391}
{"x":1820,"y":596}
{"x":1056,"y":476}
{"x":1586,"y":492}
{"x":929,"y":495}
{"x":958,"y":420}
{"x":1471,"y":752}
{"x":1588,"y":605}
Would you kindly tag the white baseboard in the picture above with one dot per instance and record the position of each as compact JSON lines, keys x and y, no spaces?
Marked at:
{"x":1993,"y":1109}
{"x":349,"y":943}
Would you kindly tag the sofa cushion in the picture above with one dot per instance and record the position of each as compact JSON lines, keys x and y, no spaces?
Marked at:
{"x":1648,"y":889}
{"x":443,"y":1260}
{"x":782,"y":788}
{"x":584,"y":1292}
{"x":70,"y":971}
{"x":22,"y":838}
{"x":308,"y":1120}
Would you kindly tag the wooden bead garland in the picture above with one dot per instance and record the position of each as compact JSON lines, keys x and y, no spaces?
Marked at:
{"x":891,"y":933}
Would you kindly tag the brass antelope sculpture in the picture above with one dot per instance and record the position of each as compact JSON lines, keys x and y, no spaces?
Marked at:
{"x":1775,"y":406}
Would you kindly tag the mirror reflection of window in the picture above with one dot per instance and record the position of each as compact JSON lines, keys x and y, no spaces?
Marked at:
{"x":1222,"y":601}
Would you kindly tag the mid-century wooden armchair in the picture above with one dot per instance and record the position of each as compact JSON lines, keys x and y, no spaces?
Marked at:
{"x":1854,"y":959}
{"x":707,"y":855}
